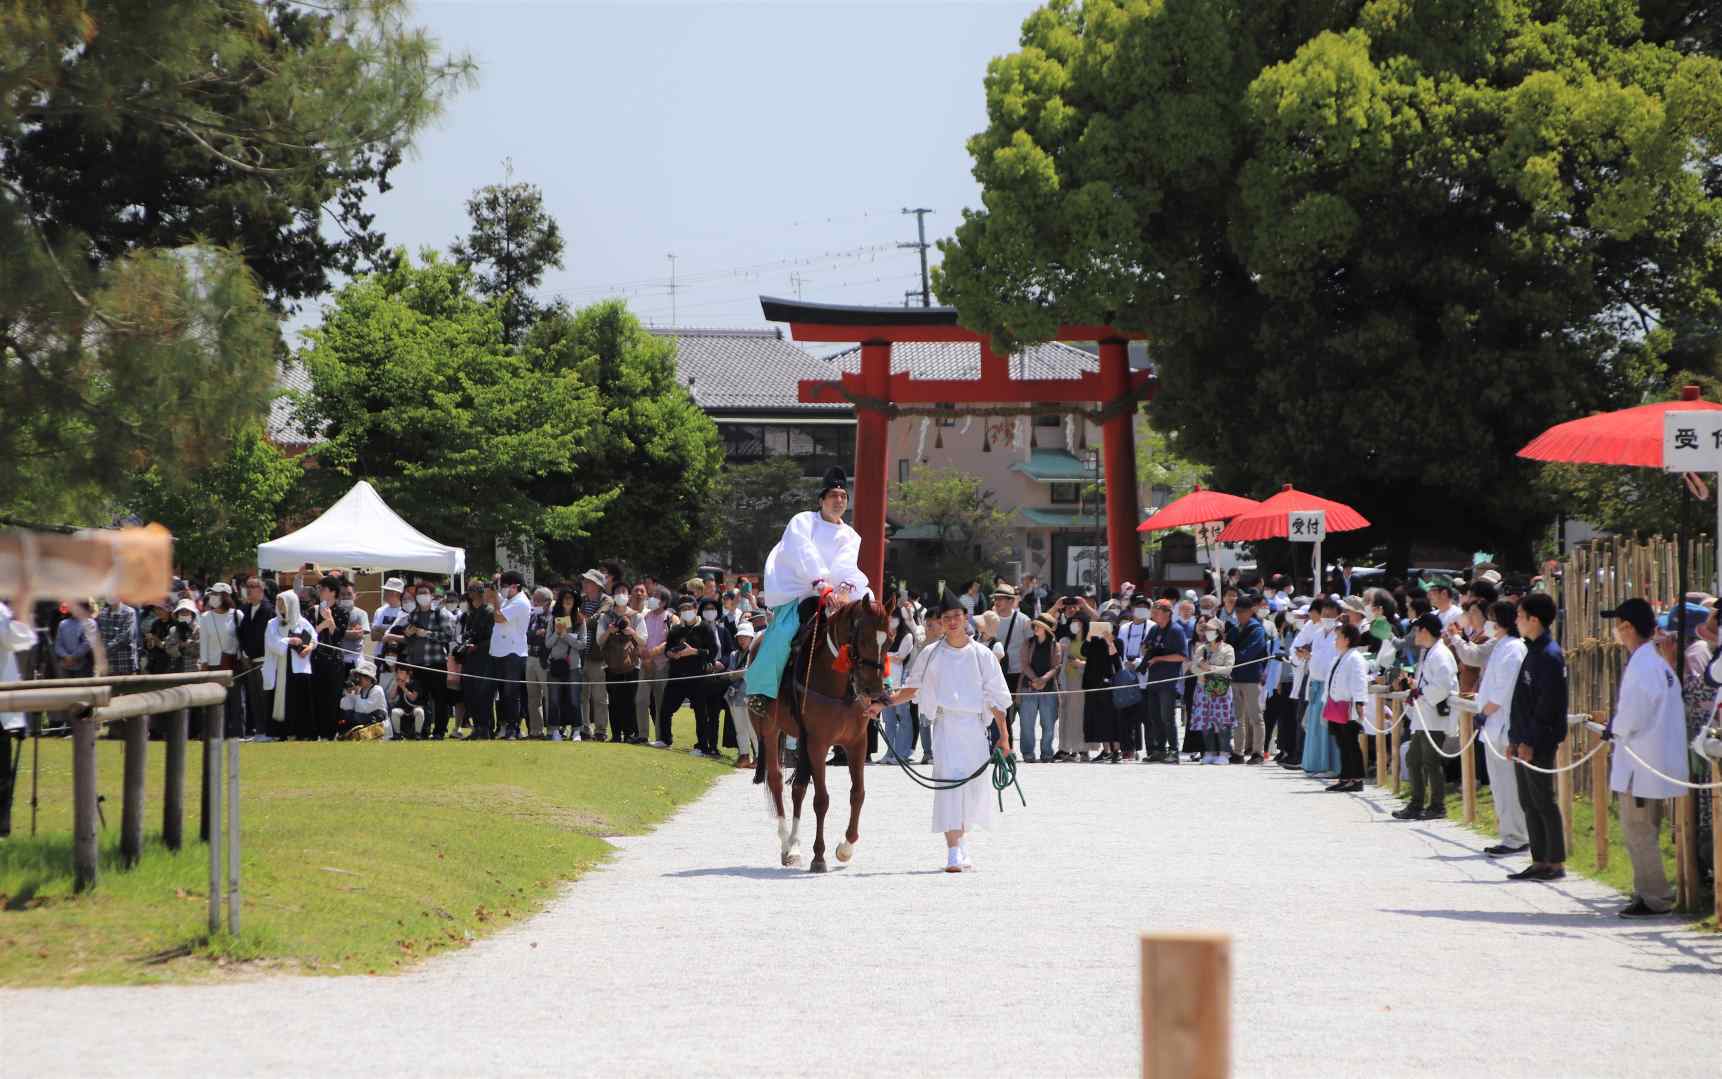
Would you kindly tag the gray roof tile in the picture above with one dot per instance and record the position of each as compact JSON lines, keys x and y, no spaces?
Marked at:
{"x":729,"y":370}
{"x":962,"y":360}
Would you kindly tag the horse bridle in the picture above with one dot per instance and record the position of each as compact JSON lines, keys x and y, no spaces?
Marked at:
{"x":857,"y":659}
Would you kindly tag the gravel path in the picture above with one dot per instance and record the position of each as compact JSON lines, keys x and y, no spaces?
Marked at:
{"x":1361,"y":946}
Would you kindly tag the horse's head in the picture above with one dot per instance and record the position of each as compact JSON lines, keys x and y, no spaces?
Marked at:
{"x":862,"y":627}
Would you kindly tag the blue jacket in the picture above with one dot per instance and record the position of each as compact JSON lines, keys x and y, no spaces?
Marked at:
{"x":1539,"y":717}
{"x":1249,"y":643}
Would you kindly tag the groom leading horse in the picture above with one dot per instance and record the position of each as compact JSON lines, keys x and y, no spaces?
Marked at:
{"x":813,"y":574}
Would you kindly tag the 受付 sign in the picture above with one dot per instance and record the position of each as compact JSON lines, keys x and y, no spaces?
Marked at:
{"x":1692,"y":441}
{"x":1306,"y":526}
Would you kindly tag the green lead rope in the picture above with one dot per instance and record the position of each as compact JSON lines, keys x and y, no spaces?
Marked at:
{"x":1003,"y":777}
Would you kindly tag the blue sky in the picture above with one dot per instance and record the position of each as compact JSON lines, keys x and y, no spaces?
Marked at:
{"x":754,"y":141}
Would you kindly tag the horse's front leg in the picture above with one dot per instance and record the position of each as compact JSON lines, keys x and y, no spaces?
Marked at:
{"x":857,"y":754}
{"x":821,"y":802}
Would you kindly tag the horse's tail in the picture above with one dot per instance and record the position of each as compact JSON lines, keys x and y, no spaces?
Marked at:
{"x":803,"y":763}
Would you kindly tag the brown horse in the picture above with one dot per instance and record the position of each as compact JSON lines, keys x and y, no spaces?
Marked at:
{"x":840,"y":668}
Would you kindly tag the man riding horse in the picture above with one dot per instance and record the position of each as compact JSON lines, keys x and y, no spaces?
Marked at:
{"x":817,"y":558}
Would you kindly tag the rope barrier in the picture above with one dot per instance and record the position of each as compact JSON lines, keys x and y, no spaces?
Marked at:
{"x":1573,"y":767}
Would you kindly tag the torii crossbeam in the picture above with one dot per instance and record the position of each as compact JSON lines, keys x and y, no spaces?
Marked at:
{"x":874,"y":390}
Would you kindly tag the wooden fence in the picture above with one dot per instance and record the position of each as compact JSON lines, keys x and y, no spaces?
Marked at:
{"x":92,"y":703}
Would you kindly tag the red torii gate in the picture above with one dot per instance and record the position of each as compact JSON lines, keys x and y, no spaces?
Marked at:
{"x":875,"y":390}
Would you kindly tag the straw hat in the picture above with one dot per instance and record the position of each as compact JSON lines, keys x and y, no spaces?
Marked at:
{"x":1004,"y":591}
{"x":1046,"y":622}
{"x":987,"y":622}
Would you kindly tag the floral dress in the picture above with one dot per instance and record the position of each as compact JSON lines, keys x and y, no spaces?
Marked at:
{"x":1212,"y":708}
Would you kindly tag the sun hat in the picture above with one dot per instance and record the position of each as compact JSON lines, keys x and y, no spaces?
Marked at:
{"x":394,"y":584}
{"x":596,"y":576}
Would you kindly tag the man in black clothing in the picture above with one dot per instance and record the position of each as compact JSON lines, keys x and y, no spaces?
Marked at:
{"x":1534,"y":733}
{"x":691,"y":648}
{"x":1163,"y":659}
{"x":255,"y":614}
{"x":477,"y":690}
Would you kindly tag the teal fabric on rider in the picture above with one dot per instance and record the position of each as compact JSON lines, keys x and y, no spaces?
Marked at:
{"x":765,"y":672}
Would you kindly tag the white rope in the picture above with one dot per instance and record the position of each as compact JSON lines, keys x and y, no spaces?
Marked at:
{"x":1663,"y":775}
{"x":1427,"y":737}
{"x":519,"y":681}
{"x":1574,"y":766}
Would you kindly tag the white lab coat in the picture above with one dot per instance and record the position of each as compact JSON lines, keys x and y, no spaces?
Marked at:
{"x":1500,"y":676}
{"x":16,"y":638}
{"x":1438,"y":679}
{"x":813,"y":549}
{"x":1649,"y":719}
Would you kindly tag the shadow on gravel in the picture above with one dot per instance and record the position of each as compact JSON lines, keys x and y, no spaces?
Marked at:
{"x":1671,"y":943}
{"x":756,"y":872}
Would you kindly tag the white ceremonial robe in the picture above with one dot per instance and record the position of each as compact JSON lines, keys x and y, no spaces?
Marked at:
{"x":957,"y":689}
{"x":1437,"y":680}
{"x":1650,"y":718}
{"x":813,"y":549}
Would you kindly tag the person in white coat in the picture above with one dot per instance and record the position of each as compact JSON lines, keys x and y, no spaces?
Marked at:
{"x":1495,"y":698}
{"x":1433,"y":722}
{"x":288,"y":642}
{"x":958,"y":683}
{"x":1649,"y":734}
{"x":16,"y":639}
{"x":218,"y":650}
{"x":818,"y":556}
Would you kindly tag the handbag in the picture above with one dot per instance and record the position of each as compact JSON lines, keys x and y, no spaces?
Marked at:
{"x":1126,"y":693}
{"x":1338,"y":712}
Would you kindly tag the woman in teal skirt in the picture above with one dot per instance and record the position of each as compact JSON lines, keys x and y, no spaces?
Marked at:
{"x":1320,"y":751}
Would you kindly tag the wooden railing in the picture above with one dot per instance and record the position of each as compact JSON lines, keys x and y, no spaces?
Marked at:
{"x":89,"y":705}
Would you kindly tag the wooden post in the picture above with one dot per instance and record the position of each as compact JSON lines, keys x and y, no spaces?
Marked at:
{"x":1684,"y":812}
{"x":1380,"y":743}
{"x":1467,"y":765}
{"x":232,"y":834}
{"x":1716,"y":832}
{"x":1564,"y":790}
{"x":83,"y":803}
{"x":1186,"y":1006}
{"x":173,"y":787}
{"x":1599,"y":803}
{"x":132,"y":792}
{"x":212,"y":722}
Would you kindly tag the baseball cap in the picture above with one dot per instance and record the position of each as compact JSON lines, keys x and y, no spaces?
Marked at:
{"x":1636,"y":611}
{"x":1429,"y":623}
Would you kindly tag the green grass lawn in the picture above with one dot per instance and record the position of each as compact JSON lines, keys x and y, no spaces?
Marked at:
{"x":357,"y":859}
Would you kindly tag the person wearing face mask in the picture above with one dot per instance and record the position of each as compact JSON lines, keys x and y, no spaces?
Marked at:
{"x":657,"y":615}
{"x":594,"y":699}
{"x":328,"y":662}
{"x":255,"y":614}
{"x":290,"y":641}
{"x":897,"y":722}
{"x":358,"y":627}
{"x":620,"y":639}
{"x":537,"y":662}
{"x":424,"y":634}
{"x":218,"y":650}
{"x":692,"y":649}
{"x":1249,"y":641}
{"x":1211,"y":663}
{"x":477,"y":691}
{"x":381,"y":624}
{"x":508,"y":649}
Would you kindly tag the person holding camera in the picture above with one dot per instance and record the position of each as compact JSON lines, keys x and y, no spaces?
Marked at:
{"x":1432,"y":721}
{"x":621,"y":639}
{"x":508,"y":649}
{"x":424,"y":634}
{"x":406,"y":707}
{"x":478,"y":692}
{"x":288,"y":642}
{"x":329,"y":661}
{"x":692,"y":650}
{"x":362,"y":701}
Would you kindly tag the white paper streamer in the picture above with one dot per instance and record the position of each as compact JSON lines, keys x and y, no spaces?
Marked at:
{"x":921,"y":440}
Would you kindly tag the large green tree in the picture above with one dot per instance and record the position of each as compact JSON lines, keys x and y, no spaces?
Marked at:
{"x":220,"y":514}
{"x":166,"y":171}
{"x":758,"y":498}
{"x":1378,"y":246}
{"x":970,"y":534}
{"x":513,"y":241}
{"x":651,"y":441}
{"x":415,"y":391}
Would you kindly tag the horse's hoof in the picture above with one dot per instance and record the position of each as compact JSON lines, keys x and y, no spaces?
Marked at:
{"x":791,"y":860}
{"x":818,"y":866}
{"x":845,"y":851}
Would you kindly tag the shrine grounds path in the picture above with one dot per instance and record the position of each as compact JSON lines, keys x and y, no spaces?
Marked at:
{"x":1361,"y":946}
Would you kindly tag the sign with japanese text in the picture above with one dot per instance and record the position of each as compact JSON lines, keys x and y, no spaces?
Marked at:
{"x":1692,"y":441}
{"x":1306,"y":526}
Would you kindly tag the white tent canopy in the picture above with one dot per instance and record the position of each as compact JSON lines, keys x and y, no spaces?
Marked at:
{"x":361,"y":532}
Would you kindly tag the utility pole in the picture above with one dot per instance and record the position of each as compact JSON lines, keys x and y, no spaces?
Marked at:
{"x":909,"y":297}
{"x":921,"y":230}
{"x":672,"y":257}
{"x":795,"y":282}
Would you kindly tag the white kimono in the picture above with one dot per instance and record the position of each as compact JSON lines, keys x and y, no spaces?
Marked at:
{"x":1437,"y":680}
{"x":1650,"y":717}
{"x":957,"y":689}
{"x":812,"y":549}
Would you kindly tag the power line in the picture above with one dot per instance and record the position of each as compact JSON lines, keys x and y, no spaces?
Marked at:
{"x":751,"y":269}
{"x":921,"y":230}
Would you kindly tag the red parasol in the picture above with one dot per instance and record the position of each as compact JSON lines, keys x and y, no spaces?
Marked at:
{"x":1268,"y":520}
{"x":1199,"y":507}
{"x":1630,"y":436}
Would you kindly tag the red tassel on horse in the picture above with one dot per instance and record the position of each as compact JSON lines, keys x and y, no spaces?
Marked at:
{"x":844,"y":662}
